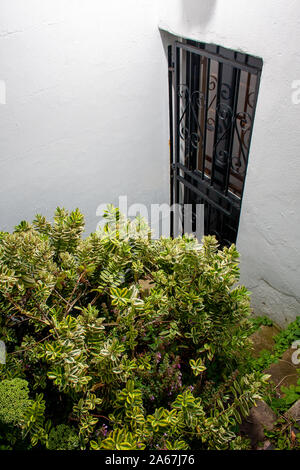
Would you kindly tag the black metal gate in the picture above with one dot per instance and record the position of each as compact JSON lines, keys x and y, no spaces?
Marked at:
{"x":213,"y":93}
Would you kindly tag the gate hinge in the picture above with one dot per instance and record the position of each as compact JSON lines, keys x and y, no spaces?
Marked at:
{"x":171,"y":68}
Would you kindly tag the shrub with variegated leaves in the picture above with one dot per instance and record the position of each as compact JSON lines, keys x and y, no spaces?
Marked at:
{"x":121,"y":341}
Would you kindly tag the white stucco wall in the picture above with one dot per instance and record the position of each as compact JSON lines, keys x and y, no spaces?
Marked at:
{"x":270,"y":221}
{"x":86,"y":113}
{"x":86,"y":118}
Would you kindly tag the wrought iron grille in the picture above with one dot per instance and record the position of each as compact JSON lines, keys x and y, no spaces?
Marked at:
{"x":213,"y":93}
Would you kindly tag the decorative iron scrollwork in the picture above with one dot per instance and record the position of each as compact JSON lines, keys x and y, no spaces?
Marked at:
{"x":235,"y":124}
{"x":190,"y":106}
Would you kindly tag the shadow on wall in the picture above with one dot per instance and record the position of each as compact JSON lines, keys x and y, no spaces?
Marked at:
{"x":197,"y":12}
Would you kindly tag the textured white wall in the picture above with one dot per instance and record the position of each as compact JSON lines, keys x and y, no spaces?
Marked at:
{"x":270,"y":222}
{"x":86,"y":118}
{"x":87,"y":109}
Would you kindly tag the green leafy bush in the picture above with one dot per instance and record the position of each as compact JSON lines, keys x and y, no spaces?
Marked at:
{"x":14,"y":401}
{"x":110,"y":363}
{"x":63,"y":437}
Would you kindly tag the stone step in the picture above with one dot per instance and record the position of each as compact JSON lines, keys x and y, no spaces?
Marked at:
{"x":294,"y":412}
{"x":283,"y":372}
{"x":261,"y":417}
{"x":263,"y":339}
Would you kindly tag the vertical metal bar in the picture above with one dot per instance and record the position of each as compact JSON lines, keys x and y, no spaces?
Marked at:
{"x":205,"y":117}
{"x":207,"y":218}
{"x":236,"y":87}
{"x":245,"y":104}
{"x":196,"y":119}
{"x":170,"y":79}
{"x":251,"y":131}
{"x":201,"y":112}
{"x":219,"y":84}
{"x":177,"y":143}
{"x":188,"y":115}
{"x":247,"y":92}
{"x":215,"y":212}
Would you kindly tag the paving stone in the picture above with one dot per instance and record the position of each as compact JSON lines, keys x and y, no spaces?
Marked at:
{"x":294,"y":412}
{"x":260,"y":417}
{"x":283,"y":372}
{"x":263,"y":339}
{"x":267,"y":445}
